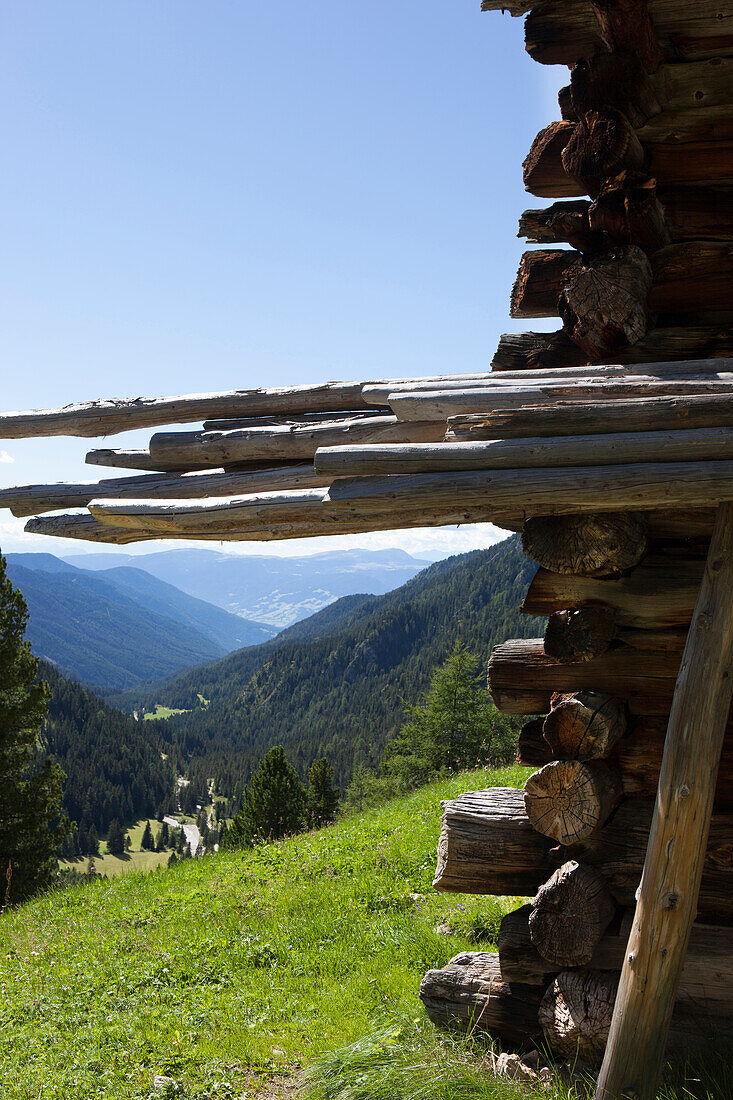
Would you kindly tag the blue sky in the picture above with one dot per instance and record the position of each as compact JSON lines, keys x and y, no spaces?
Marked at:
{"x":215,"y":194}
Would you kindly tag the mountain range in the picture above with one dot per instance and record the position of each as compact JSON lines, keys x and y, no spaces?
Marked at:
{"x":277,"y":591}
{"x":334,"y":685}
{"x":118,"y":627}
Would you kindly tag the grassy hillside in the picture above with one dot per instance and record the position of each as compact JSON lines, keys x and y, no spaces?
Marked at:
{"x":229,"y":974}
{"x":340,"y":694}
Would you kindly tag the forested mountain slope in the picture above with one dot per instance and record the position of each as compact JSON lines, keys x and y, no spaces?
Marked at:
{"x":339,"y":695}
{"x":113,"y":766}
{"x":114,"y":629}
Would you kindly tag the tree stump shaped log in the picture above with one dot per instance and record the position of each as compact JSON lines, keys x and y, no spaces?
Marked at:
{"x":590,"y":545}
{"x":569,"y":800}
{"x":570,"y":914}
{"x":575,"y":1014}
{"x":602,"y":144}
{"x":585,"y":725}
{"x":582,"y":634}
{"x":628,"y":210}
{"x":604,"y":303}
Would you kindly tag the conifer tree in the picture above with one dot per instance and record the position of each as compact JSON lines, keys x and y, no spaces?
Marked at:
{"x":32,"y":828}
{"x":115,"y":839}
{"x":455,"y":727}
{"x":323,"y":797}
{"x":93,"y":841}
{"x":162,"y":842}
{"x":147,"y":844}
{"x":274,"y":804}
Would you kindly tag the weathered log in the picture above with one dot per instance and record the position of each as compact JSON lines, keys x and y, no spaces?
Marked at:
{"x":460,"y":497}
{"x":626,"y":27}
{"x":603,"y":302}
{"x":109,"y":417}
{"x":539,"y":281}
{"x":131,"y":459}
{"x":678,"y":151}
{"x":544,"y":171}
{"x":290,"y":440}
{"x":691,"y":213}
{"x":563,"y":221}
{"x":561,"y":396}
{"x":488,"y":846}
{"x":707,"y":977}
{"x":533,"y":750}
{"x":586,"y":417}
{"x":29,"y":500}
{"x":584,"y":726}
{"x":580,"y":635}
{"x":569,"y":800}
{"x":590,"y":545}
{"x":576,"y":1012}
{"x":519,"y":351}
{"x":522,"y":678}
{"x":602,"y":145}
{"x":688,"y":369}
{"x":470,"y":993}
{"x":541,"y":453}
{"x":637,"y":756}
{"x":675,"y":859}
{"x":616,"y":80}
{"x":629,"y":212}
{"x":693,"y":278}
{"x":658,"y":594}
{"x":570,"y":914}
{"x":562,"y":34}
{"x":695,"y":148}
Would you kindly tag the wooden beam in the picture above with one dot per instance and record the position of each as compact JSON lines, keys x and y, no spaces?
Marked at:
{"x":432,"y":406}
{"x":108,"y":417}
{"x":539,"y":453}
{"x":594,"y":417}
{"x":668,"y":895}
{"x":289,"y":440}
{"x":563,"y":33}
{"x":30,"y":500}
{"x":518,"y":351}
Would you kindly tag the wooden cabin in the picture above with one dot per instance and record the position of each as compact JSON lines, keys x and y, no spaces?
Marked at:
{"x":609,"y":445}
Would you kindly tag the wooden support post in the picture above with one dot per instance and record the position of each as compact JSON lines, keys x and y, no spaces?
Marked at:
{"x":668,"y":895}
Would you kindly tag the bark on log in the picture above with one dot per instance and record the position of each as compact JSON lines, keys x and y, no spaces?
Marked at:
{"x":602,"y":145}
{"x":658,"y":594}
{"x":570,"y":914}
{"x":488,"y":846}
{"x":522,"y":679}
{"x":589,"y":545}
{"x":707,"y":977}
{"x":675,"y":859}
{"x":519,"y":351}
{"x":284,"y":441}
{"x":29,"y":500}
{"x":562,"y":34}
{"x":576,"y":1012}
{"x":580,"y":635}
{"x":569,"y":800}
{"x":585,"y":417}
{"x":626,"y":26}
{"x":584,"y":726}
{"x":540,"y":453}
{"x":470,"y":993}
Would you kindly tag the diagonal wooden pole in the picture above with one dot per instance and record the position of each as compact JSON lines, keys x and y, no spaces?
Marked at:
{"x":667,"y":899}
